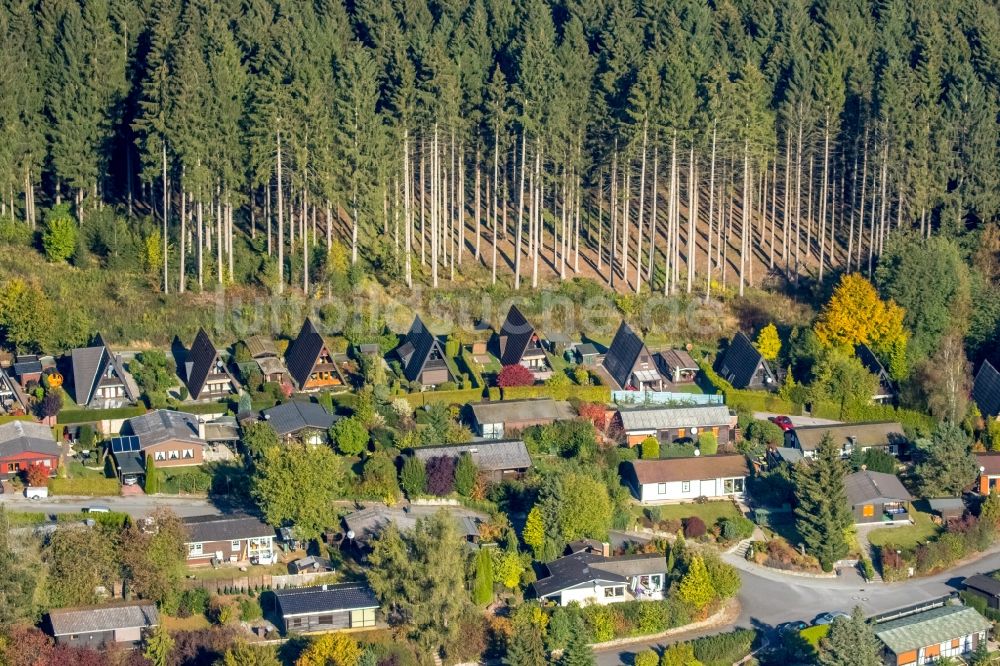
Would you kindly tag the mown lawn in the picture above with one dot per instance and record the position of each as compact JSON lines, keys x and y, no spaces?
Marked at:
{"x":710,"y":512}
{"x":907,"y":536}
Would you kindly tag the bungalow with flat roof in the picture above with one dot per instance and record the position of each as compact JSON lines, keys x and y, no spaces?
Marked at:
{"x":100,"y":380}
{"x":26,"y":443}
{"x":986,"y":588}
{"x":496,"y":420}
{"x":674,"y":479}
{"x":326,"y":608}
{"x":629,"y":364}
{"x":496,"y":459}
{"x":925,"y":637}
{"x":677,"y":365}
{"x":877,"y":497}
{"x":308,"y":421}
{"x":311,"y":363}
{"x":95,"y":627}
{"x":205,"y":373}
{"x":886,"y":392}
{"x":172,"y":438}
{"x":520,"y":344}
{"x":986,"y":390}
{"x":590,"y":577}
{"x":669,"y":424}
{"x":743,"y":366}
{"x":236,"y":537}
{"x":422,"y":356}
{"x":886,"y":435}
{"x":363,"y":525}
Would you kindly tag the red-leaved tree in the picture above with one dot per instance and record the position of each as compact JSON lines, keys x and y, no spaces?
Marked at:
{"x":596,"y":414}
{"x":38,"y":475}
{"x":441,"y":475}
{"x":515,"y":375}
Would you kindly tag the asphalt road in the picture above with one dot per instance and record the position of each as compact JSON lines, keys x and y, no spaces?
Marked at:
{"x":769,"y":598}
{"x":134,"y":506}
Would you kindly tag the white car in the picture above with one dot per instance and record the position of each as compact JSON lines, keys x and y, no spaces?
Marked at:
{"x":36,"y":492}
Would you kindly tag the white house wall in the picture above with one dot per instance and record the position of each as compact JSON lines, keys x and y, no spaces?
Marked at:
{"x":674,"y":490}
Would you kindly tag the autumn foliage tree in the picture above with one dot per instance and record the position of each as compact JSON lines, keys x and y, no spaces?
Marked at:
{"x":595,"y":413}
{"x":855,"y":315}
{"x":515,"y":375}
{"x":38,"y":475}
{"x":768,"y":343}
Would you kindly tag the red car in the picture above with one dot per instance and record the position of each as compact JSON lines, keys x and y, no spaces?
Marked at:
{"x":782,"y":422}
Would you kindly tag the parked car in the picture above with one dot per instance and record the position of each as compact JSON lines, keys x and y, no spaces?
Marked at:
{"x":97,"y":508}
{"x":130,"y":481}
{"x":783,"y":422}
{"x":828,"y":618}
{"x":36,"y":492}
{"x":791,"y":627}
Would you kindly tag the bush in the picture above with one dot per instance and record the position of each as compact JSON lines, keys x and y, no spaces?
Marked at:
{"x":250,"y":609}
{"x":193,"y":602}
{"x":515,"y":375}
{"x":441,"y":475}
{"x":694,"y":527}
{"x":725,"y":648}
{"x":708,"y":444}
{"x":413,"y":477}
{"x":650,"y":448}
{"x":647,"y":658}
{"x":89,"y":487}
{"x":737,"y":529}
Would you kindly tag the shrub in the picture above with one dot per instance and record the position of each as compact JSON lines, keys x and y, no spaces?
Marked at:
{"x":725,"y":648}
{"x":465,"y":475}
{"x":694,"y":527}
{"x":515,"y":375}
{"x":59,"y":235}
{"x":650,"y":448}
{"x":595,"y":413}
{"x":250,"y":609}
{"x":647,"y":658}
{"x":708,"y":444}
{"x":413,"y":477}
{"x":441,"y":475}
{"x":737,"y":529}
{"x":192,"y":602}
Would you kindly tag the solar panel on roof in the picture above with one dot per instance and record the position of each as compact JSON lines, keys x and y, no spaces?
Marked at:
{"x":126,"y":444}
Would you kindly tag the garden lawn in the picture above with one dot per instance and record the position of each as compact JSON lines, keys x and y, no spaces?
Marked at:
{"x":77,"y":470}
{"x":907,"y":536}
{"x":710,"y":512}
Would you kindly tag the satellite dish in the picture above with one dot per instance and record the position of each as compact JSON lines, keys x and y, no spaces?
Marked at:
{"x":350,"y":534}
{"x":697,"y":452}
{"x":694,"y":431}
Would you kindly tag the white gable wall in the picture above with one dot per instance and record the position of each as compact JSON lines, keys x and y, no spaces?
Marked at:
{"x":690,"y":490}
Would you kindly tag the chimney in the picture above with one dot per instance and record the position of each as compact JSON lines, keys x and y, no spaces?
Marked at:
{"x":201,"y":430}
{"x":605,"y":549}
{"x":324,"y":587}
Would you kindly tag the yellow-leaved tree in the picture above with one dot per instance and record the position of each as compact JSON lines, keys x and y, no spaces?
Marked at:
{"x":855,"y":315}
{"x":768,"y":343}
{"x":330,"y":650}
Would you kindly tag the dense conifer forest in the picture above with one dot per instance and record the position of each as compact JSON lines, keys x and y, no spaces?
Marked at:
{"x":661,"y":146}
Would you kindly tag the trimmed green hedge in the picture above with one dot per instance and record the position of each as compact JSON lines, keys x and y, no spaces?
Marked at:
{"x":724,"y":649}
{"x":600,"y":394}
{"x":910,"y":419}
{"x":458,"y":397}
{"x":752,"y":401}
{"x":68,"y":416}
{"x":90,"y":487}
{"x":470,"y":367}
{"x":7,"y":418}
{"x":201,"y":408}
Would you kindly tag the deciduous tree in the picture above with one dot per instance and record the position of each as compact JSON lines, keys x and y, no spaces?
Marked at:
{"x":296,"y":485}
{"x":515,"y":375}
{"x":768,"y":343}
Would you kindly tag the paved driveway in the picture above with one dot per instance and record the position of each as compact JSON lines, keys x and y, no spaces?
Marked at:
{"x":797,"y":420}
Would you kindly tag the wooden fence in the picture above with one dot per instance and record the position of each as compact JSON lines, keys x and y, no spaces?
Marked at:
{"x":250,"y":583}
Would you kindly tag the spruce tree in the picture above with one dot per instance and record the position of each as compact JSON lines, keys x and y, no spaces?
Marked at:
{"x":577,"y":651}
{"x":822,"y":515}
{"x":851,"y":642}
{"x":526,"y":648}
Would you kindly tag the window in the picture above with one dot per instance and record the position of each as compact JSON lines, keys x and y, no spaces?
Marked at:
{"x":189,"y":453}
{"x":685,"y":486}
{"x":324,"y":619}
{"x":12,"y":468}
{"x":159,"y":455}
{"x":616,"y":591}
{"x":194,"y":549}
{"x":868,"y":510}
{"x":363,"y":618}
{"x":681,"y":432}
{"x":235,"y":545}
{"x":173,"y":455}
{"x":733,"y":485}
{"x":661,"y":489}
{"x":295,"y":622}
{"x":45,"y":463}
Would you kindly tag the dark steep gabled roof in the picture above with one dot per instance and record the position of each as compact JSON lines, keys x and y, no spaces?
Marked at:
{"x":325,"y":599}
{"x":303,"y":353}
{"x":416,"y":349}
{"x":870,"y":360}
{"x":201,"y":359}
{"x":90,"y":364}
{"x":622,"y":354}
{"x":740,"y":361}
{"x":986,"y":389}
{"x":515,"y":334}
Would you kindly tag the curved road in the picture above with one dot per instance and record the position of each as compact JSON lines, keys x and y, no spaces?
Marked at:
{"x":769,"y":598}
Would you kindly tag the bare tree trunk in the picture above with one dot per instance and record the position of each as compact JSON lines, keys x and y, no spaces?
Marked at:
{"x":477,"y":211}
{"x":281,"y":226}
{"x":882,"y":183}
{"x":823,"y":197}
{"x":774,"y":210}
{"x":423,"y":190}
{"x":600,"y":221}
{"x":407,"y":213}
{"x":861,"y":210}
{"x":692,"y":218}
{"x":166,"y":278}
{"x":745,"y":219}
{"x":642,"y":211}
{"x":785,"y":217}
{"x":538,"y":214}
{"x":798,"y":203}
{"x":520,"y":217}
{"x":655,"y":196}
{"x":183,"y":254}
{"x":267,"y":213}
{"x":435,"y":201}
{"x":711,"y":213}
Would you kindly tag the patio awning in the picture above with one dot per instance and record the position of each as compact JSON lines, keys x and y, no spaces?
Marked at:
{"x":647,"y":375}
{"x":130,"y":465}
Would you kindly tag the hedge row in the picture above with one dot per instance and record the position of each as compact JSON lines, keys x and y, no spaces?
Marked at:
{"x":752,"y":401}
{"x":470,"y":367}
{"x":68,"y":416}
{"x":201,"y":408}
{"x":910,"y":419}
{"x":457,"y":397}
{"x":600,"y":394}
{"x":90,"y":487}
{"x":724,"y":649}
{"x":7,"y":418}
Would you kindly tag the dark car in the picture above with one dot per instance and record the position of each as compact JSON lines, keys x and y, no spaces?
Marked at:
{"x":828,"y":618}
{"x":791,"y":627}
{"x":782,"y":422}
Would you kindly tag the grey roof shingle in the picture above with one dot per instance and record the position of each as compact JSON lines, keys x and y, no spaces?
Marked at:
{"x":369,"y":522}
{"x":515,"y":334}
{"x":585,"y":567}
{"x":296,"y":415}
{"x":867,"y":486}
{"x":740,"y":361}
{"x":622,"y":355}
{"x":89,"y":366}
{"x":162,"y":425}
{"x":417,"y":349}
{"x":261,"y":346}
{"x":9,"y":385}
{"x":27,"y":437}
{"x":489,"y":456}
{"x":226,"y":527}
{"x":986,"y":389}
{"x":869,"y":433}
{"x":96,"y":619}
{"x":202,"y":360}
{"x":675,"y":417}
{"x":325,"y":599}
{"x":522,"y":410}
{"x":930,"y":627}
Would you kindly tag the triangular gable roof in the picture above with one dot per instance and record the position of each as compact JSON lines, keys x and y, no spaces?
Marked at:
{"x":986,"y":389}
{"x":90,"y":364}
{"x":515,"y":334}
{"x":622,"y":354}
{"x":8,"y":383}
{"x":741,"y":361}
{"x":416,"y":348}
{"x":871,"y":362}
{"x":304,"y":352}
{"x":201,"y":358}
